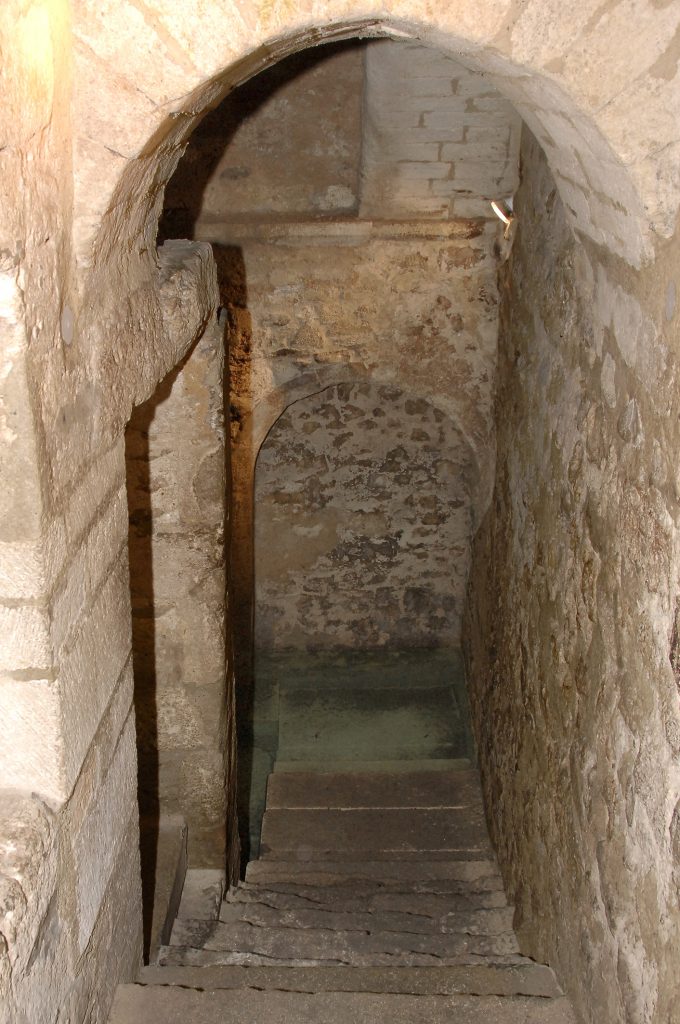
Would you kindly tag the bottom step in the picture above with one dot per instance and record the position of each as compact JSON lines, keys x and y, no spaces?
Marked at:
{"x":151,"y":1004}
{"x":527,"y":979}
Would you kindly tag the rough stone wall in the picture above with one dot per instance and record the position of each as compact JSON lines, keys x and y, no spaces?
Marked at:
{"x":572,"y":631}
{"x":362,"y":523}
{"x":403,"y":302}
{"x":177,"y":487}
{"x":406,"y":305}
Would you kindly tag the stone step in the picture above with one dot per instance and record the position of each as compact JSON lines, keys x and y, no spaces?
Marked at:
{"x":190,"y":956}
{"x":395,"y":767}
{"x":523,"y":979}
{"x":202,"y":894}
{"x":384,"y":834}
{"x":480,"y":875}
{"x":424,"y":789}
{"x":364,"y":897}
{"x":264,"y":915}
{"x":151,"y":1004}
{"x":200,"y":933}
{"x":303,"y":946}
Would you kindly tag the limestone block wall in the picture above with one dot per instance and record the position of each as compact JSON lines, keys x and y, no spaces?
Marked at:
{"x":572,"y":623}
{"x":438,"y":140}
{"x":177,"y":486}
{"x":69,"y":818}
{"x":69,"y":862}
{"x":362,"y":523}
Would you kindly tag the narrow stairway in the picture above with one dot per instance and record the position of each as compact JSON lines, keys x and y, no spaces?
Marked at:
{"x":376,"y":898}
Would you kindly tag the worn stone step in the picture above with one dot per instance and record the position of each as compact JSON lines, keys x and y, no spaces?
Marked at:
{"x":454,"y":790}
{"x":305,"y":946}
{"x":150,"y":1004}
{"x":364,"y":896}
{"x":522,"y":979}
{"x":481,"y":875}
{"x":470,"y":922}
{"x":187,"y":931}
{"x":384,"y":834}
{"x":189,"y":956}
{"x":202,"y":894}
{"x":394,"y":767}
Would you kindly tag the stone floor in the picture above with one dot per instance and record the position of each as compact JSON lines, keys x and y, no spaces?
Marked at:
{"x":385,"y":706}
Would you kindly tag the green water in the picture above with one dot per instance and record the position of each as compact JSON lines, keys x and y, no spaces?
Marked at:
{"x":332,"y":710}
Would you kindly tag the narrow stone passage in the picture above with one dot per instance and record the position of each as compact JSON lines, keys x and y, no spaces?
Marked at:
{"x":376,"y":897}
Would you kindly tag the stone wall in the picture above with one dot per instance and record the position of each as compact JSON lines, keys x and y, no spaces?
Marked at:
{"x":407,"y":305}
{"x":572,"y":626}
{"x":402,"y":302}
{"x":177,"y":486}
{"x":390,"y":288}
{"x":438,"y":140}
{"x":70,"y":903}
{"x":381,"y":129}
{"x":362,"y":523}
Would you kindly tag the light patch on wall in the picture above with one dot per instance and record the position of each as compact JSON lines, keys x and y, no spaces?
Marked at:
{"x":34,"y":46}
{"x":337,"y":197}
{"x":670,"y":301}
{"x":503,"y":210}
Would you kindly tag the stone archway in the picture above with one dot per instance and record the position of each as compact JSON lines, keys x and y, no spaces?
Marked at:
{"x":601,"y":208}
{"x":579,"y":114}
{"x":362,"y":519}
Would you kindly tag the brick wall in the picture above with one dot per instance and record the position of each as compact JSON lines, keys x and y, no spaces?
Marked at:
{"x":439,"y":139}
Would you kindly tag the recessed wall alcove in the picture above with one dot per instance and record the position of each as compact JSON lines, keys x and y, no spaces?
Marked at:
{"x":362,"y":540}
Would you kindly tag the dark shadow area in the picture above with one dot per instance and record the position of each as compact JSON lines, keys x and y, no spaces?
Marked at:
{"x":143,"y":652}
{"x":231,"y":276}
{"x":184,"y":192}
{"x":143,"y":602}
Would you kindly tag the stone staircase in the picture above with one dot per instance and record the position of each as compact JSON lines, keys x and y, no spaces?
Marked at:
{"x":376,"y":898}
